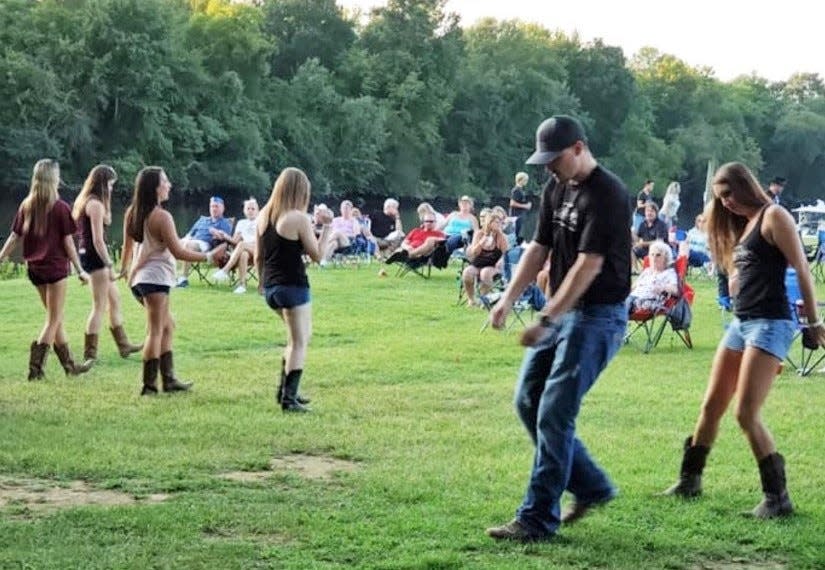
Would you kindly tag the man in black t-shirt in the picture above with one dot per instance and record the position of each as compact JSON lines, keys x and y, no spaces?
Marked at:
{"x":519,"y":204}
{"x":583,"y":226}
{"x":386,"y":227}
{"x":650,"y":230}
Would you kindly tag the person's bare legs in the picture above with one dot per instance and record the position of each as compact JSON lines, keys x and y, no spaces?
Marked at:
{"x":100,"y":283}
{"x":243,"y":261}
{"x":756,"y":376}
{"x":485,"y":281}
{"x":724,"y":375}
{"x":53,"y":297}
{"x":159,"y":326}
{"x":468,"y":278}
{"x":299,"y":330}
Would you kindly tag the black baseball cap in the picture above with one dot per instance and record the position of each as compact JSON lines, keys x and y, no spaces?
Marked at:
{"x":553,"y":136}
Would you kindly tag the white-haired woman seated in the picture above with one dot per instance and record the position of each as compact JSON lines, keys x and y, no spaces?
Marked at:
{"x":657,"y":280}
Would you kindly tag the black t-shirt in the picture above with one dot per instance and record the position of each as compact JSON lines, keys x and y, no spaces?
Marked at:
{"x":651,"y":233}
{"x":381,"y":224}
{"x":588,"y":218}
{"x":645,"y":197}
{"x":517,"y":194}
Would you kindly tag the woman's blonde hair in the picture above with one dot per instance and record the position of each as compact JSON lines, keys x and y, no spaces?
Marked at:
{"x":290,"y":192}
{"x":42,"y":196}
{"x":522,"y":178}
{"x":95,"y":186}
{"x":725,"y":228}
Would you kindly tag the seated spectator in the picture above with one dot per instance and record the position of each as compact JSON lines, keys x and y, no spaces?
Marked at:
{"x":426,"y":208}
{"x":321,"y":215}
{"x":656,"y":280}
{"x":244,"y":242}
{"x":420,"y":242}
{"x":697,"y":238}
{"x":386,"y":227}
{"x":206,"y":235}
{"x":650,"y":230}
{"x":344,"y":229}
{"x":509,"y":225}
{"x":365,"y":241}
{"x":459,"y":224}
{"x":489,"y":244}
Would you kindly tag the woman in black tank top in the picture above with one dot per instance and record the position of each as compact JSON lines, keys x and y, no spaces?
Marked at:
{"x":92,"y":212}
{"x":285,"y":233}
{"x":754,"y":242}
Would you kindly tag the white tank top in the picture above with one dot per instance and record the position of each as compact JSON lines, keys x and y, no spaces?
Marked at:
{"x":153,"y":262}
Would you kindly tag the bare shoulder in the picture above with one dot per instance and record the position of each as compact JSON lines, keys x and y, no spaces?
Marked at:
{"x":778,"y":217}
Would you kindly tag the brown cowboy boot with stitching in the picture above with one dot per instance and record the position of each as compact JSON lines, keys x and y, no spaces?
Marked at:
{"x":90,"y":347}
{"x":64,"y":354}
{"x":37,"y":360}
{"x":167,"y":374}
{"x":124,"y":347}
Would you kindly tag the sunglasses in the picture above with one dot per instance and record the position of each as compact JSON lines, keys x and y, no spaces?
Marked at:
{"x":429,"y":221}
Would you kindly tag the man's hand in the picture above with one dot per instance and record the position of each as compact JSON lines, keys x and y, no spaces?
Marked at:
{"x":498,"y":315}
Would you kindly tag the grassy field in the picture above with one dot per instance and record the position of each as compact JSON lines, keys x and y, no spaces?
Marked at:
{"x":413,"y":448}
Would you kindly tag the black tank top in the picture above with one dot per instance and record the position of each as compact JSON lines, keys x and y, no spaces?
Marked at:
{"x":283,"y":261}
{"x":85,"y":243}
{"x":762,"y":269}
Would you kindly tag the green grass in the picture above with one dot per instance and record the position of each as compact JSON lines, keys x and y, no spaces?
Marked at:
{"x":405,"y":385}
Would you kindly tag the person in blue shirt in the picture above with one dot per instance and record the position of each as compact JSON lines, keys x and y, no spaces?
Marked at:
{"x":206,"y":234}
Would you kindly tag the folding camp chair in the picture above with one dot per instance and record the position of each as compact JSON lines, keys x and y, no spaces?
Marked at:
{"x":220,"y":256}
{"x":673,"y":310}
{"x":530,"y":301}
{"x":807,"y":356}
{"x":422,"y":266}
{"x":816,"y":258}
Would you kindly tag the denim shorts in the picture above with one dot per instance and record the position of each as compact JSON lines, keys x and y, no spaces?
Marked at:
{"x":141,"y":290}
{"x":286,"y":296}
{"x":773,"y":336}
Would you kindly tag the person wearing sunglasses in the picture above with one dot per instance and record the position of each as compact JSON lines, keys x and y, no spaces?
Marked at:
{"x":420,"y":242}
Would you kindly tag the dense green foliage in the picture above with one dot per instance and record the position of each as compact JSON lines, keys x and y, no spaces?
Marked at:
{"x":402,"y":101}
{"x":419,"y":399}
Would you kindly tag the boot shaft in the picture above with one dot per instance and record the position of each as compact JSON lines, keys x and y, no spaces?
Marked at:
{"x":124,"y":347}
{"x":90,"y":347}
{"x":37,"y":360}
{"x":150,"y":377}
{"x":772,"y":474}
{"x":694,"y":458}
{"x":64,"y":355}
{"x":167,"y":374}
{"x":289,"y":401}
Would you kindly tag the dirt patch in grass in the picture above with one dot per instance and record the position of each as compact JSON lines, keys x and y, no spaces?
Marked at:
{"x":315,"y":467}
{"x":739,"y":564}
{"x":45,"y":495}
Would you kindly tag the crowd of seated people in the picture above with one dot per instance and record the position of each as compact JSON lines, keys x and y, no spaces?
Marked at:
{"x":206,"y":235}
{"x":657,"y":280}
{"x":485,"y":255}
{"x":243,"y":247}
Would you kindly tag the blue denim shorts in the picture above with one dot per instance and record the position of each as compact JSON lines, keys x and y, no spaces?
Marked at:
{"x":773,"y":336}
{"x":286,"y":296}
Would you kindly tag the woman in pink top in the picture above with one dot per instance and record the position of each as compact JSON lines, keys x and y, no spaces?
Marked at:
{"x":150,"y":247}
{"x":44,"y":224}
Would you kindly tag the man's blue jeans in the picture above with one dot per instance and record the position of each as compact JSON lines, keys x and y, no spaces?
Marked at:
{"x":556,"y":374}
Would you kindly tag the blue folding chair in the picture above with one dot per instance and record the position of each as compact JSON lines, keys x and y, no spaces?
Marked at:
{"x":809,"y":357}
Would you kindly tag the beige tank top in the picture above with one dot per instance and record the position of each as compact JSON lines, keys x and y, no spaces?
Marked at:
{"x":152,"y":261}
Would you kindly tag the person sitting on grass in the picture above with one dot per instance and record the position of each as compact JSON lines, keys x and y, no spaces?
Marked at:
{"x":420,"y":242}
{"x":244,"y":247}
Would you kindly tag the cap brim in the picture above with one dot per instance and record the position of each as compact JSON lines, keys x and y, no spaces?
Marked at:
{"x":542,"y":157}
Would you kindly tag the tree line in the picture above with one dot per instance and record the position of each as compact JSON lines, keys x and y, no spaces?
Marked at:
{"x":400,"y":102}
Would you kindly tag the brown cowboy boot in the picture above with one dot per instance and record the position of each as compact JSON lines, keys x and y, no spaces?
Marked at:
{"x":124,"y":347}
{"x":37,"y":360}
{"x":64,"y":354}
{"x":777,"y":502}
{"x":90,"y":347}
{"x":167,"y":374}
{"x":150,"y":377}
{"x":689,"y":484}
